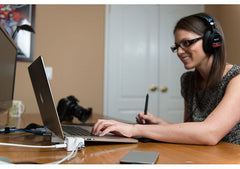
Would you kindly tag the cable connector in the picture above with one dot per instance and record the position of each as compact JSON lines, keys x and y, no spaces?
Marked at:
{"x":74,"y":143}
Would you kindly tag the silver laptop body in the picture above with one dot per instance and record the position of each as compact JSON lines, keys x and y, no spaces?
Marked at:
{"x":48,"y":110}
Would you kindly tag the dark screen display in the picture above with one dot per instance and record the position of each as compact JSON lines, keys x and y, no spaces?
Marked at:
{"x":7,"y":70}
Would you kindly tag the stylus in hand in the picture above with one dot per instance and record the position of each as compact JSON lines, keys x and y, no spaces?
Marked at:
{"x":146,"y":105}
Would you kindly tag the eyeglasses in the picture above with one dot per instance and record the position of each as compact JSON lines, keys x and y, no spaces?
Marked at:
{"x":184,"y":44}
{"x":2,"y":18}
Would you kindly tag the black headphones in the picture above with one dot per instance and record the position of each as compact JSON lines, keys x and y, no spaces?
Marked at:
{"x":212,"y":38}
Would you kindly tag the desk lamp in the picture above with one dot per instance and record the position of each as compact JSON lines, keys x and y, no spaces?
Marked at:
{"x":22,"y":27}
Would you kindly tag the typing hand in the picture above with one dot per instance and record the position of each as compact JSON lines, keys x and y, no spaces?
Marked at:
{"x":112,"y":126}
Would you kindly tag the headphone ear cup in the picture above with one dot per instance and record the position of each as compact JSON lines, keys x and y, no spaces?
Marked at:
{"x":206,"y":42}
{"x":211,"y":40}
{"x":216,"y":39}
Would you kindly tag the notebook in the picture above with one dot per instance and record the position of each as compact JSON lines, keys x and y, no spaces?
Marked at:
{"x":48,"y":111}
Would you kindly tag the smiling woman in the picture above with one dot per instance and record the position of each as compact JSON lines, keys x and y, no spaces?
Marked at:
{"x":195,"y":49}
{"x":211,"y":91}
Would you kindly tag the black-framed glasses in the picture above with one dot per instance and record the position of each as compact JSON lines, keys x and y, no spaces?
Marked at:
{"x":184,"y":44}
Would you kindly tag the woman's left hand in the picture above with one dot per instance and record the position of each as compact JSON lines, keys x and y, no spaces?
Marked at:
{"x":112,"y":126}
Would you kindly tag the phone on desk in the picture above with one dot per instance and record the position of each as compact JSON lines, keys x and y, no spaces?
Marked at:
{"x":4,"y":160}
{"x":140,"y":157}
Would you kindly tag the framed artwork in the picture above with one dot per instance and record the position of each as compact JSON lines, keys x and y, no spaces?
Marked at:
{"x":18,"y":20}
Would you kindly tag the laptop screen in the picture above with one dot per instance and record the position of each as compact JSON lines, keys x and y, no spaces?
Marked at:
{"x":44,"y":97}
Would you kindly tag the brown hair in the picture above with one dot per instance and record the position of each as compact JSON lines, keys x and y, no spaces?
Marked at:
{"x":199,"y":26}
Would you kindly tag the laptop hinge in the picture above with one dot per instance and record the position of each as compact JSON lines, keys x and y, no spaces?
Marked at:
{"x":56,"y":139}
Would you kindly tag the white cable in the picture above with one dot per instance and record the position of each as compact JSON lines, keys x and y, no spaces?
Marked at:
{"x":32,"y":146}
{"x":68,"y":157}
{"x":72,"y":143}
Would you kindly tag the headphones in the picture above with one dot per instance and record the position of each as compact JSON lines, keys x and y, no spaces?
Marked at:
{"x":212,"y":38}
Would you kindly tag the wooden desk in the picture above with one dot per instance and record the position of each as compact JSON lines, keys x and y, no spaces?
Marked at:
{"x":223,"y":153}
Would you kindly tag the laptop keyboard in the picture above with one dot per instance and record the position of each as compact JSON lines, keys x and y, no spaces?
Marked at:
{"x":74,"y":130}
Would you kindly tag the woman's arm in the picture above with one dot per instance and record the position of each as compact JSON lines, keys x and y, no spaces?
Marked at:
{"x":220,"y":122}
{"x":209,"y":132}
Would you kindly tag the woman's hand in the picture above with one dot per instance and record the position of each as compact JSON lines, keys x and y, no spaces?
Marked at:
{"x":112,"y":126}
{"x":141,"y":118}
{"x":149,"y":118}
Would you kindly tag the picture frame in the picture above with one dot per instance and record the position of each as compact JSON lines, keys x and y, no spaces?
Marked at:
{"x":17,"y":15}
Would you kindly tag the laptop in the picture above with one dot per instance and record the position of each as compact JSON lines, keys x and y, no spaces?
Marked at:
{"x":49,"y":113}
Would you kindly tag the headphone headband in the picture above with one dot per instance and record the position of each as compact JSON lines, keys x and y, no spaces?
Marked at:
{"x":207,"y":20}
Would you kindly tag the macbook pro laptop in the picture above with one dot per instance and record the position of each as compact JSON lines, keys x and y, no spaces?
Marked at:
{"x":49,"y":113}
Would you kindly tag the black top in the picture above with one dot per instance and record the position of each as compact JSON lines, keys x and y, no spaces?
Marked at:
{"x":200,"y":103}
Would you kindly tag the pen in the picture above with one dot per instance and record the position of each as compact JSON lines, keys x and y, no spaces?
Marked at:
{"x":146,"y":105}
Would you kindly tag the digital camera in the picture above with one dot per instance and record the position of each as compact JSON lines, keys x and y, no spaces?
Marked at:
{"x":68,"y":108}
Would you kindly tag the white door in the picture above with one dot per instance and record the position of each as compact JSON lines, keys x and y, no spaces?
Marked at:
{"x":138,"y":59}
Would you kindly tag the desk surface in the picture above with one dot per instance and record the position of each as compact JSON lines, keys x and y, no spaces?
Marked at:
{"x":223,"y":153}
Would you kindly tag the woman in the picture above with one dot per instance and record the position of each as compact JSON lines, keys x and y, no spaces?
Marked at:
{"x":211,"y":92}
